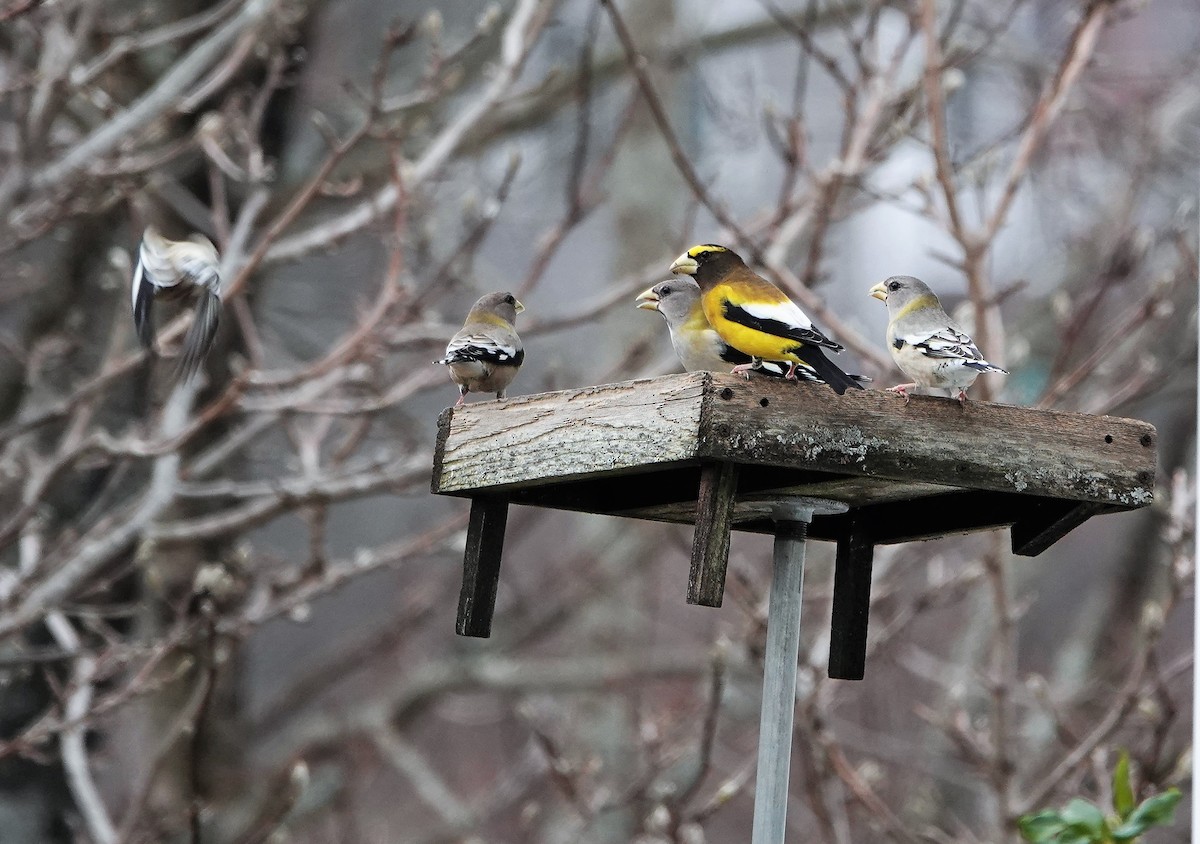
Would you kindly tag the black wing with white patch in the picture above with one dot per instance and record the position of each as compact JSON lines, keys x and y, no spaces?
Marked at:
{"x":143,"y":306}
{"x":777,"y":328}
{"x":482,"y":348}
{"x":946,"y":343}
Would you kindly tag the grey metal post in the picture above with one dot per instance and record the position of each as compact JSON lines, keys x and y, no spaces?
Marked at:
{"x":779,"y":679}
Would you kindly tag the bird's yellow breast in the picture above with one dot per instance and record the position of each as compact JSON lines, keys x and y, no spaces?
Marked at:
{"x":747,"y":340}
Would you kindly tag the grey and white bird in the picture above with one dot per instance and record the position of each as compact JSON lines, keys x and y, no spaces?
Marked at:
{"x":486,"y":353}
{"x":927,"y":345}
{"x":175,"y":269}
{"x":698,"y":345}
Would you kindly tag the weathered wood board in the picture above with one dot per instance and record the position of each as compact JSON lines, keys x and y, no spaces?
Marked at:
{"x":548,"y":437}
{"x":862,"y":448}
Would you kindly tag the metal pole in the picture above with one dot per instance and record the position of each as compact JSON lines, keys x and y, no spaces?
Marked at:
{"x":779,"y":678}
{"x":779,"y":684}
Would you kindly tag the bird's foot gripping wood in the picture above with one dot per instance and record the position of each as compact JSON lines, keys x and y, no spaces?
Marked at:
{"x":462,"y":399}
{"x":902,"y":389}
{"x":791,"y":373}
{"x":962,"y":397}
{"x":743,"y":369}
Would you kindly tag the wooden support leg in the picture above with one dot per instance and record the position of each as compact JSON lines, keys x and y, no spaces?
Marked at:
{"x":851,"y":604}
{"x":710,"y":545}
{"x":1034,"y":533}
{"x":481,"y":566}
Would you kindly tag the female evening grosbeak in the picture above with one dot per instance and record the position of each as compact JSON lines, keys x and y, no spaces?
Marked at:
{"x":486,"y":353}
{"x":175,"y":269}
{"x":757,"y":318}
{"x":698,"y":345}
{"x":927,"y":345}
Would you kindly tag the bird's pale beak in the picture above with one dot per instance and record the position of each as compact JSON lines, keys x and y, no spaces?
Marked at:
{"x":518,"y":306}
{"x":647,"y":300}
{"x":878,"y":292}
{"x":685,"y":264}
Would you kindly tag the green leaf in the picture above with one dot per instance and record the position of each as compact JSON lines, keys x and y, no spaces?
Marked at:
{"x":1042,"y":828}
{"x":1075,"y":835}
{"x":1123,"y":800}
{"x":1158,"y":810}
{"x":1084,"y":817}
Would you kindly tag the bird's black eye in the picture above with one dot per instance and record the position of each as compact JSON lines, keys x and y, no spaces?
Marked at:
{"x":509,"y":300}
{"x":665,"y":289}
{"x":893,"y":286}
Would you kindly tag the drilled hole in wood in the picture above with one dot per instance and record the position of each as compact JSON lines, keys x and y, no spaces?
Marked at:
{"x":763,"y":402}
{"x":1108,"y":438}
{"x":1146,"y":440}
{"x":727,"y":394}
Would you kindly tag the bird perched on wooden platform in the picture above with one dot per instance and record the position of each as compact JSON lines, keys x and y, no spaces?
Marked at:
{"x":927,"y":345}
{"x":486,"y":353}
{"x":175,"y":269}
{"x":757,"y":318}
{"x":698,"y":345}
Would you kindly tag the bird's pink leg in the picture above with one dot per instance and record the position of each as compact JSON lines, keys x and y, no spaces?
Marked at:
{"x":462,"y":399}
{"x":903,"y":389}
{"x":743,"y":369}
{"x":791,"y":373}
{"x":962,"y":397}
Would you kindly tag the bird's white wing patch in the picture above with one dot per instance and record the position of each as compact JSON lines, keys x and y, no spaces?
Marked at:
{"x":944,"y":343}
{"x":786,"y":312}
{"x":155,"y":266}
{"x":481,"y":347}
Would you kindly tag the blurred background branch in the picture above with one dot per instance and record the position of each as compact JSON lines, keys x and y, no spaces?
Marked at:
{"x":226,"y":610}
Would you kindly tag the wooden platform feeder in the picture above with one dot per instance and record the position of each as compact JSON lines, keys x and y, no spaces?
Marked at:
{"x":722,"y":453}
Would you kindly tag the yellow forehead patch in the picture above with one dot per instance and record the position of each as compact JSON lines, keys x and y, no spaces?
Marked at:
{"x":697,"y":251}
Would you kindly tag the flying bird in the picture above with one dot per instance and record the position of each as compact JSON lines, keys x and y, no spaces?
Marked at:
{"x":927,"y":345}
{"x":486,"y":353}
{"x":757,"y":318}
{"x":174,"y":270}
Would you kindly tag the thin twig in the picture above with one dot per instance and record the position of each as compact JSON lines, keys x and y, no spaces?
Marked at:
{"x":520,"y":34}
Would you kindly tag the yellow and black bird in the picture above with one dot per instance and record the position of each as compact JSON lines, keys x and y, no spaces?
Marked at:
{"x":757,"y":318}
{"x":698,"y":345}
{"x":174,"y":269}
{"x":486,"y":353}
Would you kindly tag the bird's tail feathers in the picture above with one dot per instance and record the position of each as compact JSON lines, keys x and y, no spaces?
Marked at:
{"x":830,"y":373}
{"x":984,"y":366}
{"x":200,"y":336}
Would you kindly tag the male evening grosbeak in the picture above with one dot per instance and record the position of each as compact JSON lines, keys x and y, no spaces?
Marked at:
{"x":486,"y":353}
{"x":697,"y":344}
{"x":756,"y":317}
{"x":927,"y":345}
{"x":175,"y":269}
